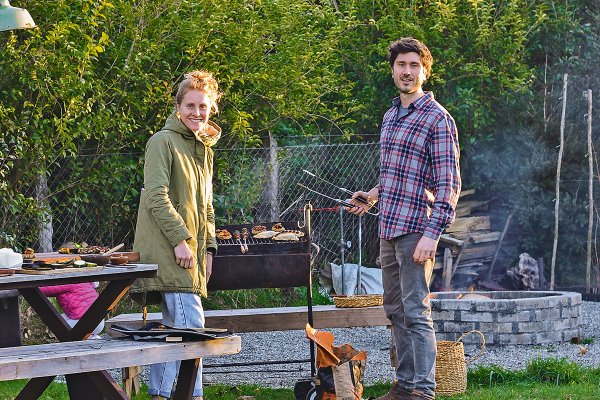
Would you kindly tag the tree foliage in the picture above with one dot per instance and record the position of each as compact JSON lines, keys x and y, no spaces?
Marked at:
{"x":96,"y":79}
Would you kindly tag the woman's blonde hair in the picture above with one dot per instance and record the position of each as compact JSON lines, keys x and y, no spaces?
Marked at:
{"x":199,"y":80}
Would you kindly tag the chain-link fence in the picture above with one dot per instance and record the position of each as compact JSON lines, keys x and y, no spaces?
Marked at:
{"x":94,"y":199}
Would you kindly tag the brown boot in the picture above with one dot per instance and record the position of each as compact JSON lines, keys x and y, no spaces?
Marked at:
{"x":418,"y":395}
{"x":396,"y":393}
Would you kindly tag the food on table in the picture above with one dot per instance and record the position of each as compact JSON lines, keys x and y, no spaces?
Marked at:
{"x":28,"y":254}
{"x":278,"y":227}
{"x":258,"y":229}
{"x":97,"y":259}
{"x":265,"y":235}
{"x":286,"y":237}
{"x":119,"y":260}
{"x":81,"y":248}
{"x":223,"y":234}
{"x":236,"y":234}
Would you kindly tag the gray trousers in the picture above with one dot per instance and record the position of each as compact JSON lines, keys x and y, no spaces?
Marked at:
{"x":407,"y":306}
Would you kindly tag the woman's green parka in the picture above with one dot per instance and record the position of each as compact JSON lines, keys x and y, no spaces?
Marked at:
{"x":175,"y":205}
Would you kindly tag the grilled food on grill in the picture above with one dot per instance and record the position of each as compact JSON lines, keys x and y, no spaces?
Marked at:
{"x":295,"y":232}
{"x":265,"y":235}
{"x":286,"y":237}
{"x":258,"y":229}
{"x":223,"y":234}
{"x":278,"y":227}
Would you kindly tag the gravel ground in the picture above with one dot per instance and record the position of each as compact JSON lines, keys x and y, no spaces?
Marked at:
{"x":376,"y":341}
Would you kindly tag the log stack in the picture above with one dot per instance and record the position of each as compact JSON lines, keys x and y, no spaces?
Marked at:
{"x":467,"y":249}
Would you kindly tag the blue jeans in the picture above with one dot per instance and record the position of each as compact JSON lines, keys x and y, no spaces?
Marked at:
{"x":407,"y":306}
{"x":179,"y":310}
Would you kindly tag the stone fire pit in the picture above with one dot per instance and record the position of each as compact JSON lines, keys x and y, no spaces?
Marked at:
{"x":517,"y":317}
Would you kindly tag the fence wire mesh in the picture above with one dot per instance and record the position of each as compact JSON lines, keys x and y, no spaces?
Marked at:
{"x":94,"y":198}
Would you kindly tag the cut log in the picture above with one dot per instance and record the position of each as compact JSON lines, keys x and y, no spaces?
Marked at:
{"x":526,"y":274}
{"x":485,"y":237}
{"x":464,"y":225}
{"x":447,"y":239}
{"x":465,"y":208}
{"x":465,"y":193}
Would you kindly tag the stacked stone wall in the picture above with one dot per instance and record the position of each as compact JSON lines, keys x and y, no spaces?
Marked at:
{"x":527,"y":318}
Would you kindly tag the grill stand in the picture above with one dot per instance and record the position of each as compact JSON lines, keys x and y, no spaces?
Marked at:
{"x":232,"y":272}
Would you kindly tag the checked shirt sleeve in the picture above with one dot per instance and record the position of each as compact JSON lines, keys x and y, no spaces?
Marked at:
{"x":445,"y":175}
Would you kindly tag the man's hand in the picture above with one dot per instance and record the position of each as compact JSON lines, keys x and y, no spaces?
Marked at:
{"x":360,"y":208}
{"x":184,"y":255}
{"x":209,"y":260}
{"x":425,"y":250}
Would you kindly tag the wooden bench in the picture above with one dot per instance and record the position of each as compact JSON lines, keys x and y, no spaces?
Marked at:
{"x":259,"y":320}
{"x":272,"y":319}
{"x":49,"y":360}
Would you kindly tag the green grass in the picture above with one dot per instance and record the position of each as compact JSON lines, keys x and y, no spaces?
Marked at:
{"x":543,"y":379}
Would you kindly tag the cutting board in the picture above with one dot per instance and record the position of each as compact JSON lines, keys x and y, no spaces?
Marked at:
{"x":56,"y":271}
{"x":133,"y":256}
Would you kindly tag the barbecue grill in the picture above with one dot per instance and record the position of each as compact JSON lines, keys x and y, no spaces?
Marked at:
{"x":268,"y":263}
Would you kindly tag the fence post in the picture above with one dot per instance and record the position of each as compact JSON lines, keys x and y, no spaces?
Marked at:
{"x":45,"y":218}
{"x":273,"y":192}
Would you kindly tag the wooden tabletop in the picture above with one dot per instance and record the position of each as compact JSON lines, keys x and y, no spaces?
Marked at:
{"x":106,"y":273}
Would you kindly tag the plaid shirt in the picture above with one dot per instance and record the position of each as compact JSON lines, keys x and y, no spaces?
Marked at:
{"x":419,"y":154}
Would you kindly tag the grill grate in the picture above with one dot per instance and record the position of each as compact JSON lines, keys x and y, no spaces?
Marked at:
{"x":263,"y":246}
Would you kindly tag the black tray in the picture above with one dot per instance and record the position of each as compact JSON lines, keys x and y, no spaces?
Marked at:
{"x":158,"y":331}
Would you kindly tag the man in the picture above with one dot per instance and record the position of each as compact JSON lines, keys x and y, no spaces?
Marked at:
{"x":419,"y":184}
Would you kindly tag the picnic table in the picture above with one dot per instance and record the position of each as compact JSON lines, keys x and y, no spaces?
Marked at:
{"x":93,"y":384}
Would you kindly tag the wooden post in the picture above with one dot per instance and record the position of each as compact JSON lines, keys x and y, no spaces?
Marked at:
{"x":45,"y":220}
{"x":506,"y":225}
{"x":131,"y":380}
{"x":274,"y":179}
{"x":557,"y":200}
{"x":447,"y":271}
{"x":588,"y":264}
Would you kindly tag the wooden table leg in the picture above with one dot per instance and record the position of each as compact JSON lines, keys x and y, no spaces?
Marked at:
{"x":34,"y":388}
{"x":92,"y":385}
{"x":106,"y":301}
{"x":186,"y":379}
{"x":131,"y":379}
{"x":98,"y":385}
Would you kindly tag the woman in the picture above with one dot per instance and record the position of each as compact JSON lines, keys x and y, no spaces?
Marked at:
{"x":175,"y":226}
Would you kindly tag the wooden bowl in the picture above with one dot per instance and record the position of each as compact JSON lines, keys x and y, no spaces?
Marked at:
{"x":98,"y":259}
{"x":119,"y":260}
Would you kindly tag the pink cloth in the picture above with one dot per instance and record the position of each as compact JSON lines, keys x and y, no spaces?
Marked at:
{"x":74,"y":299}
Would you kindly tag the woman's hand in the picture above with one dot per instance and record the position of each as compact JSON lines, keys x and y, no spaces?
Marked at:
{"x":184,"y":255}
{"x":209,"y":261}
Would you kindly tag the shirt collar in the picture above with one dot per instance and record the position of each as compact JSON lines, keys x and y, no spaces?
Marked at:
{"x":420,"y":102}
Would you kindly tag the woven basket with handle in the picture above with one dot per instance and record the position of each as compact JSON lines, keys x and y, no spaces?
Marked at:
{"x":451,"y":365}
{"x":363,"y":300}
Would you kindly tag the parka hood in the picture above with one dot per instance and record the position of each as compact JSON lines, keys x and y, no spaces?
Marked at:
{"x":210,"y":137}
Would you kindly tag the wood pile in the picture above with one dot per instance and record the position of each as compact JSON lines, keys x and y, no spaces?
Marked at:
{"x":467,"y":250}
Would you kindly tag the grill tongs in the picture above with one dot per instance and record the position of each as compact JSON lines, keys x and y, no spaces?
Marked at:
{"x":339,"y":201}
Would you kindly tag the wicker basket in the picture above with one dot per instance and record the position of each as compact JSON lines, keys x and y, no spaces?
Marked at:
{"x":363,"y":300}
{"x":451,"y":366}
